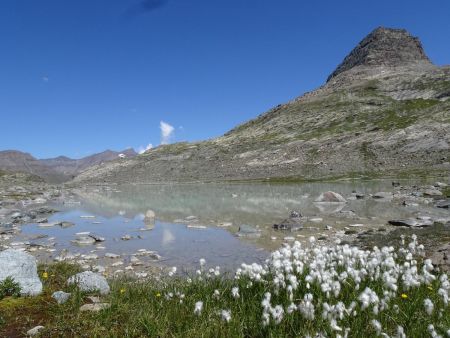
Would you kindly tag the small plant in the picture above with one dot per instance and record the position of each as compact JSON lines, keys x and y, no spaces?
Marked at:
{"x":9,"y":287}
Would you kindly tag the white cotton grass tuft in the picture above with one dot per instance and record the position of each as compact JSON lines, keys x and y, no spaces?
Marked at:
{"x":172,"y":271}
{"x":429,"y":306}
{"x":314,"y":280}
{"x":235,"y":292}
{"x":225,"y":315}
{"x":376,"y":325}
{"x":198,"y":308}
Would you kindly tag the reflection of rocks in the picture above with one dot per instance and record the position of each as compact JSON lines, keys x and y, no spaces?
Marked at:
{"x":149,"y":220}
{"x":248,"y":231}
{"x":329,"y":208}
{"x":330,"y":197}
{"x":294,"y":222}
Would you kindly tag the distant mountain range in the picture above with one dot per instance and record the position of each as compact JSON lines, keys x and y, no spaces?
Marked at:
{"x":58,"y":169}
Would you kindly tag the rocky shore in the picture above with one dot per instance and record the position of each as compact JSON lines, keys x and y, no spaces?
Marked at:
{"x":25,"y":200}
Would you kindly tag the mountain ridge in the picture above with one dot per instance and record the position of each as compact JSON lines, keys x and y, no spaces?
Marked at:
{"x":58,"y":169}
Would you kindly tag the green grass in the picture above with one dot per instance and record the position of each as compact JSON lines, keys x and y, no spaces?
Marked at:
{"x":141,"y":309}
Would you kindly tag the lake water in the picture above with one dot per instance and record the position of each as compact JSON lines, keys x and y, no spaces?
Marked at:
{"x":196,"y":221}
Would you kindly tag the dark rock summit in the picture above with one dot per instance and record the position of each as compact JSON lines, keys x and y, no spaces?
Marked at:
{"x":384,"y":47}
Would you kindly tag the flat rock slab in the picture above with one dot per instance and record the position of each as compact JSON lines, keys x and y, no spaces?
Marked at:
{"x":410,"y":223}
{"x":90,"y":281}
{"x":22,"y":268}
{"x":443,"y":204}
{"x":96,"y":307}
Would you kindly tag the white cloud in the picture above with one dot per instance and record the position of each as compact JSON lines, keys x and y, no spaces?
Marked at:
{"x":143,"y":149}
{"x":45,"y":79}
{"x":166,"y":132}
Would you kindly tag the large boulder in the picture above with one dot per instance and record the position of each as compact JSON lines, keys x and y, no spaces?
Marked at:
{"x":90,"y":281}
{"x":22,"y":268}
{"x":330,"y":197}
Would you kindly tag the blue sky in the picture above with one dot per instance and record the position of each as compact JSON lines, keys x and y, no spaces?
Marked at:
{"x":81,"y":76}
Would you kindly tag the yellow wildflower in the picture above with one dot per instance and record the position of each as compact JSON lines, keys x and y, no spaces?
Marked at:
{"x":158,"y":295}
{"x":45,"y":275}
{"x":430,"y":288}
{"x":122,"y":290}
{"x":404,"y":295}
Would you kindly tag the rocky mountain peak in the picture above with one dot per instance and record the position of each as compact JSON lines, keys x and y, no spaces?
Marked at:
{"x":384,"y":47}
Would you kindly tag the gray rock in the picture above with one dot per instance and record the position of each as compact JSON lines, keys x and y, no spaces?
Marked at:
{"x":23,"y":269}
{"x":90,"y":281}
{"x":248,"y":231}
{"x":83,"y":240}
{"x":61,"y":297}
{"x":96,"y":237}
{"x":382,"y":195}
{"x":330,"y":197}
{"x":294,"y":222}
{"x":445,"y":204}
{"x":411,"y":222}
{"x":432,"y":192}
{"x":35,"y":330}
{"x":65,"y":224}
{"x":96,"y":307}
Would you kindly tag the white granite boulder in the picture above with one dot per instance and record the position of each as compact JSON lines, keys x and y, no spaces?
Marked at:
{"x":22,"y":268}
{"x":90,"y":281}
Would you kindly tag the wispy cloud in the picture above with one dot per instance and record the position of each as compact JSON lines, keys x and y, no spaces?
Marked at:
{"x":143,"y":149}
{"x":167,"y":132}
{"x":45,"y":79}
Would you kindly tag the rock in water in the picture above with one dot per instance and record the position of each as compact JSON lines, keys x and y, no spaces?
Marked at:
{"x":382,"y":195}
{"x":294,"y":222}
{"x":411,"y":222}
{"x":443,"y":204}
{"x":60,"y":296}
{"x":90,"y":281}
{"x":23,"y":269}
{"x":248,"y":231}
{"x":330,"y":197}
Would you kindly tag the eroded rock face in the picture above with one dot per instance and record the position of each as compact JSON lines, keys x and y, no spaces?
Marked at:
{"x":22,"y":268}
{"x":90,"y":281}
{"x":384,"y":47}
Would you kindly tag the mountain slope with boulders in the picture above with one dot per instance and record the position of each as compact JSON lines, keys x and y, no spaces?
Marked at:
{"x":385,"y":110}
{"x":55,"y":170}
